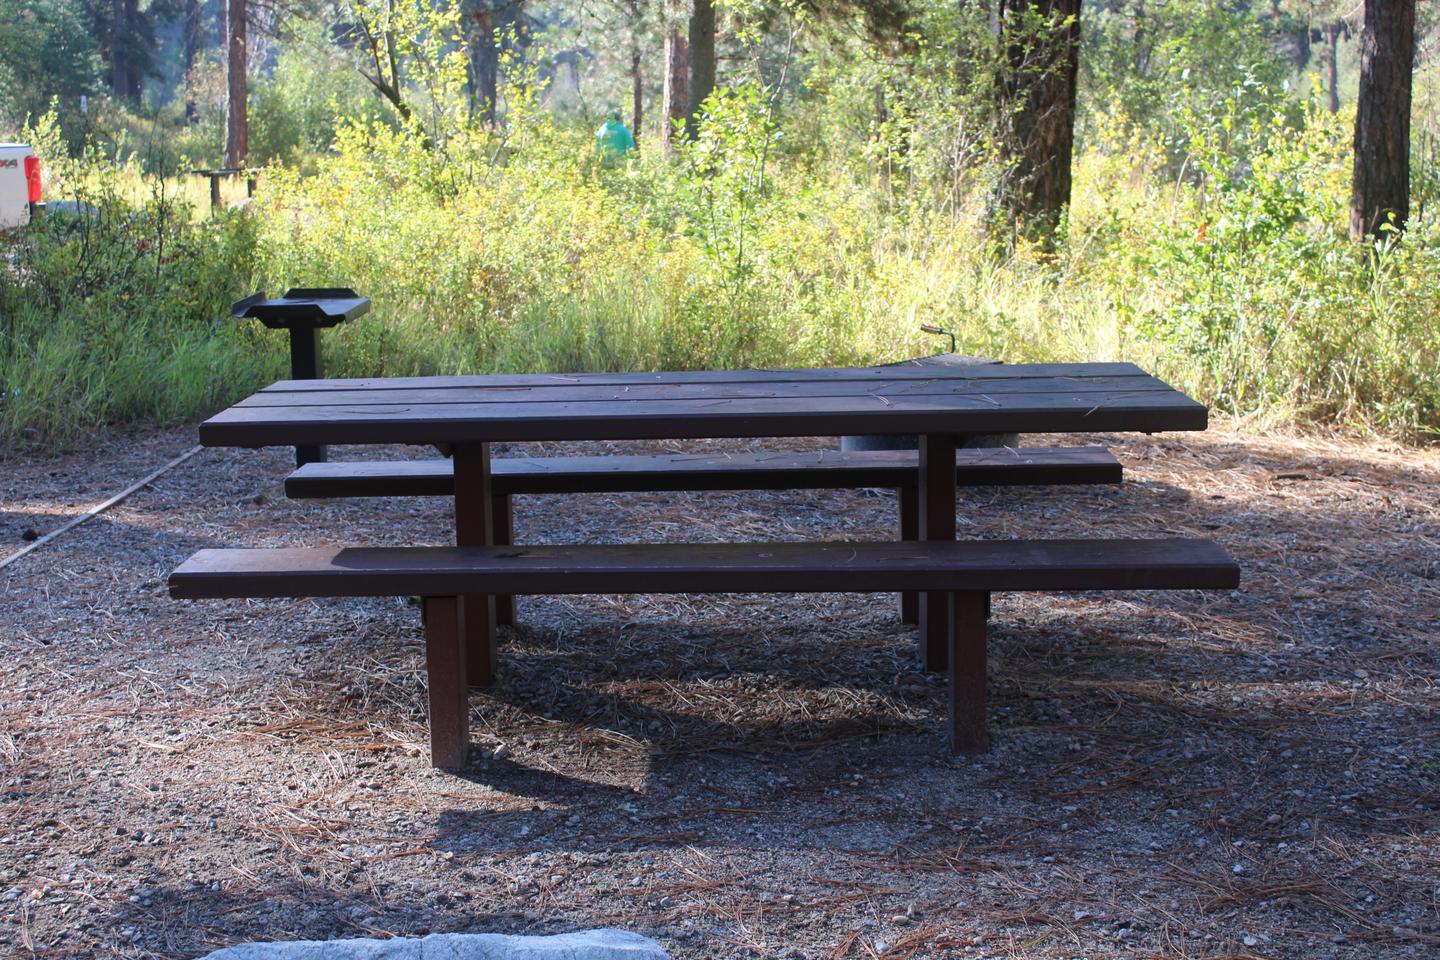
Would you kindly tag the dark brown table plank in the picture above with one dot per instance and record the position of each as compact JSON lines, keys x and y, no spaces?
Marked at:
{"x":772,"y":470}
{"x":1146,"y":410}
{"x":672,"y":392}
{"x":896,"y":372}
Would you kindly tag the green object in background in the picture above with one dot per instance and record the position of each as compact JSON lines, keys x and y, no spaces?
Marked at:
{"x":613,"y":139}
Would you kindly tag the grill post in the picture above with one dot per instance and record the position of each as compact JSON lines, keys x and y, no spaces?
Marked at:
{"x":304,"y":311}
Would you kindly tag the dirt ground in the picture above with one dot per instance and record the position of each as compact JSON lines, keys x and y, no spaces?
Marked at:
{"x":1177,"y":774}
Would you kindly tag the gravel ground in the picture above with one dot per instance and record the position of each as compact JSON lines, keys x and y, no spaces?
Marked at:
{"x":1176,"y":774}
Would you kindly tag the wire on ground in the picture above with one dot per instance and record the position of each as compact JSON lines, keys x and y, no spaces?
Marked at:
{"x":99,"y":508}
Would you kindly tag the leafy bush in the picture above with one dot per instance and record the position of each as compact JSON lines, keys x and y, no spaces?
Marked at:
{"x":1251,"y":292}
{"x":1181,"y":68}
{"x":295,"y":109}
{"x":117,"y":313}
{"x":46,"y":51}
{"x":1206,"y":240}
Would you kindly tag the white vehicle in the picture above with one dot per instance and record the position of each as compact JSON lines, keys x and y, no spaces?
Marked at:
{"x":19,"y":185}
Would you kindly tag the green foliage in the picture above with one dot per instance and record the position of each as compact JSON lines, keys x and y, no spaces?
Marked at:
{"x":118,"y":314}
{"x":833,"y":200}
{"x":296,"y":110}
{"x":917,"y":107}
{"x":411,"y":53}
{"x":1174,"y":68}
{"x":46,"y":51}
{"x":727,"y":174}
{"x":1250,"y":292}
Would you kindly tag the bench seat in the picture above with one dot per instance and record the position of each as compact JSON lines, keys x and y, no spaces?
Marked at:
{"x":967,"y":570}
{"x":821,"y":469}
{"x":825,"y":469}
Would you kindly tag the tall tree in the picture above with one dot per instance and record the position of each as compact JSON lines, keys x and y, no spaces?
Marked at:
{"x":1380,"y":185}
{"x":237,"y":88}
{"x":1301,"y":22}
{"x":119,"y":49}
{"x":489,"y":27}
{"x":1039,"y":66}
{"x":635,"y":22}
{"x":128,"y":34}
{"x":675,"y":100}
{"x":378,"y":44}
{"x":407,"y":51}
{"x":637,"y":89}
{"x":484,"y":60}
{"x":1331,"y":63}
{"x":193,"y":31}
{"x":702,"y":60}
{"x":486,"y":64}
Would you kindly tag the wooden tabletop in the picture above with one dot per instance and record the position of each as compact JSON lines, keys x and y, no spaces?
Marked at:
{"x":902,"y":399}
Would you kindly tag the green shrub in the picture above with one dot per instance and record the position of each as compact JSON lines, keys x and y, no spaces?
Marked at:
{"x":118,"y":314}
{"x":1205,"y":242}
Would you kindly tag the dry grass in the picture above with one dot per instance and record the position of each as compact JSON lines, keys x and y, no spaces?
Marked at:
{"x":1176,"y":775}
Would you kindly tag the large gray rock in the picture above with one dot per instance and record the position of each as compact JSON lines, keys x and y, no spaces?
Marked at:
{"x":583,"y":945}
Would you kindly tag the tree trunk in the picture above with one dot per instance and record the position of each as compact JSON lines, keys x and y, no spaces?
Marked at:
{"x":675,"y":100}
{"x":1037,"y":109}
{"x":637,"y":91}
{"x":192,"y":50}
{"x":1141,"y":41}
{"x":133,"y":60}
{"x":1380,"y":187}
{"x":237,"y":91}
{"x":702,"y":60}
{"x":485,"y":64}
{"x":882,"y":117}
{"x":1302,"y":47}
{"x":1332,"y":50}
{"x":119,"y":49}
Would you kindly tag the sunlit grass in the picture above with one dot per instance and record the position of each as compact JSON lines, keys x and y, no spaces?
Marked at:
{"x":1251,"y":300}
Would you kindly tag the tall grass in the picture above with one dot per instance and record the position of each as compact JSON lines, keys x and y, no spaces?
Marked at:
{"x":1239,"y":286}
{"x":1235,"y":282}
{"x":118,"y":314}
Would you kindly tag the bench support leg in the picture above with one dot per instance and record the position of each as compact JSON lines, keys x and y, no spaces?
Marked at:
{"x":504,"y":520}
{"x":969,"y":611}
{"x":937,"y":522}
{"x":909,"y":530}
{"x":448,"y":687}
{"x":475,"y":527}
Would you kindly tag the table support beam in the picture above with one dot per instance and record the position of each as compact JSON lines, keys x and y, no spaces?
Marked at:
{"x":937,"y":522}
{"x":448,"y":689}
{"x":475,"y":527}
{"x":969,"y":612}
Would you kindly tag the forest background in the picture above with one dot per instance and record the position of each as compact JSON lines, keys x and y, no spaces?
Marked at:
{"x":1164,"y":181}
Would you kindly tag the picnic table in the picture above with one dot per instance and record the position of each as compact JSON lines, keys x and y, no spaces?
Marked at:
{"x":466,"y":414}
